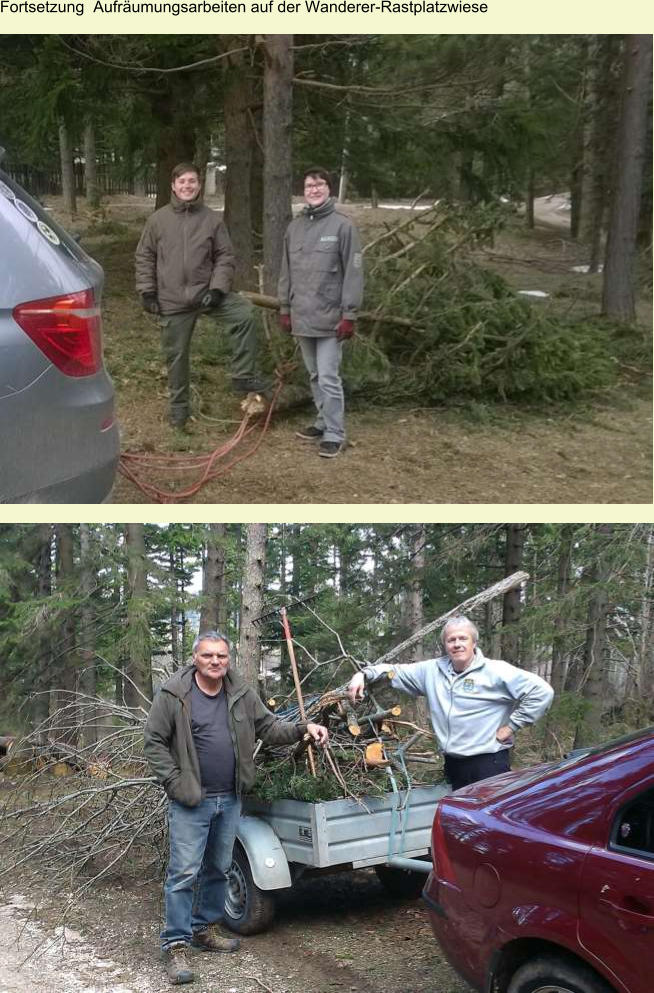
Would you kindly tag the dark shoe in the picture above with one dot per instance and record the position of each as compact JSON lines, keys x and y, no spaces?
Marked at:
{"x":330,"y":449}
{"x":178,"y":968}
{"x":250,"y":384}
{"x":309,"y":434}
{"x":211,"y":940}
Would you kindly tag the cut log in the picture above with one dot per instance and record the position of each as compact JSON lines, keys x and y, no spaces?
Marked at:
{"x":375,"y":754}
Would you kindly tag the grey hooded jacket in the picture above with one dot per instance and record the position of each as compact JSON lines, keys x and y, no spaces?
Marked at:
{"x":467,"y":708}
{"x":321,"y":277}
{"x":169,"y":746}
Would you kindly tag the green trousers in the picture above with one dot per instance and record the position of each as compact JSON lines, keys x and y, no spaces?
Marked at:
{"x":236,"y":316}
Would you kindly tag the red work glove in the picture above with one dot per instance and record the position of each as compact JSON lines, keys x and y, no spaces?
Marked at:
{"x":285,"y":322}
{"x":345,"y":330}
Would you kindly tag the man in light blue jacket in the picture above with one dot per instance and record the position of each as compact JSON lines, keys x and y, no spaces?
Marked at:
{"x":476,"y":704}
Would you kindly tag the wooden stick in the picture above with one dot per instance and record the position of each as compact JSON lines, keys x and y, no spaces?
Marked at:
{"x":296,"y":680}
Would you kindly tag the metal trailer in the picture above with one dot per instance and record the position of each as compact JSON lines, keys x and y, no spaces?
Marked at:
{"x":280,"y":841}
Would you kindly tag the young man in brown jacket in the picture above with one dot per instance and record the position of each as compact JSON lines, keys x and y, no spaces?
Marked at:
{"x":185,"y":267}
{"x":199,"y":741}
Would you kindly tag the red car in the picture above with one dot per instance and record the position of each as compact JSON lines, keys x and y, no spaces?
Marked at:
{"x":543,"y":878}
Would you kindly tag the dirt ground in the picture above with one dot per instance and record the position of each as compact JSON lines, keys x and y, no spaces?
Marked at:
{"x":339,"y":934}
{"x":460,"y":452}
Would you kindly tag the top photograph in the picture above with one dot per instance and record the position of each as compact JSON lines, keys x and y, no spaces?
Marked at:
{"x":326,"y":269}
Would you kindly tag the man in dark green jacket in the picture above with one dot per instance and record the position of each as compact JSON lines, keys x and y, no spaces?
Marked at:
{"x":199,"y":740}
{"x":185,"y":267}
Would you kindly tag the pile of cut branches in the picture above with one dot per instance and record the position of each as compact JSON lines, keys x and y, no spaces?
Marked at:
{"x":371,"y":750}
{"x":466,"y":332}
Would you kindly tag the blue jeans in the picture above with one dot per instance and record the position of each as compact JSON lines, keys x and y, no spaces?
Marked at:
{"x":201,"y":844}
{"x":322,"y":358}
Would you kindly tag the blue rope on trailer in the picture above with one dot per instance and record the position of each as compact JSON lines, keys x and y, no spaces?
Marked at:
{"x":401,"y":805}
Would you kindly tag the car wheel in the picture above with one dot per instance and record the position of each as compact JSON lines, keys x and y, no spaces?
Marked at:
{"x":554,"y":974}
{"x":401,"y":883}
{"x":248,"y":909}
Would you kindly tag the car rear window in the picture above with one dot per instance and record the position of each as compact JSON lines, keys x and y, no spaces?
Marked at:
{"x":16,"y":198}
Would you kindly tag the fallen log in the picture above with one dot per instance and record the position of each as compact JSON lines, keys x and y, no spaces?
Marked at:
{"x":498,"y":589}
{"x":272,"y":303}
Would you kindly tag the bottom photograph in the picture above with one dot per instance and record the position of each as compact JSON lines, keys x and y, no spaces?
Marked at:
{"x":349,"y":757}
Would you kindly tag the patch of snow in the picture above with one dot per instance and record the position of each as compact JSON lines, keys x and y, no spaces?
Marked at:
{"x":533,"y":293}
{"x":585,"y":268}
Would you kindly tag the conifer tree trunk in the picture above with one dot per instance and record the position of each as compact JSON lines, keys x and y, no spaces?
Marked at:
{"x":67,"y":170}
{"x":67,"y":662}
{"x":139,"y":667}
{"x":86,"y":630}
{"x":239,"y":140}
{"x":563,"y":575}
{"x":249,"y":656}
{"x":618,"y":299}
{"x":43,"y":682}
{"x":594,"y":688}
{"x":277,"y":147}
{"x":90,"y":167}
{"x":213,"y":615}
{"x":415,"y":708}
{"x":512,"y":603}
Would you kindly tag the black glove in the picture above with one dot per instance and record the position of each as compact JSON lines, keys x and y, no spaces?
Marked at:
{"x":150,"y":303}
{"x":213,"y":298}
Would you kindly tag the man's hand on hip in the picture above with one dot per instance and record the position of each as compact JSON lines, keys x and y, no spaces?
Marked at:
{"x":150,"y":303}
{"x":345,"y":329}
{"x":213,"y":299}
{"x":319,"y":733}
{"x":505,"y":734}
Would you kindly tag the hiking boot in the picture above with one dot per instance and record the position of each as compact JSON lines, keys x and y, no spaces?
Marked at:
{"x":250,"y":384}
{"x":211,"y":940}
{"x":330,"y":449}
{"x":178,"y":967}
{"x":309,"y":434}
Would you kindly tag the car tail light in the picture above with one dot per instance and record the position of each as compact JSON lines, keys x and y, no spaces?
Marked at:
{"x":67,"y":329}
{"x":442,"y":866}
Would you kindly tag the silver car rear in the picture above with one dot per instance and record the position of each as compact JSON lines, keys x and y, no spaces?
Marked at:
{"x":58,"y":437}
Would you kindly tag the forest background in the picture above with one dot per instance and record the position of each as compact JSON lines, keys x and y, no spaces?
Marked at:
{"x":472,"y":128}
{"x":105,"y":610}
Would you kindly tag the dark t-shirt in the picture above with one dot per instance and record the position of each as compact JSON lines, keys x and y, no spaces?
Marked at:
{"x":213,"y":742}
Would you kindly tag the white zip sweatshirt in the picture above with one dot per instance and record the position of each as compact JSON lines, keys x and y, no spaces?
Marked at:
{"x":467,"y":708}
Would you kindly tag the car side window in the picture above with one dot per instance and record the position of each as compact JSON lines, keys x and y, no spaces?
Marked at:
{"x":633,"y":830}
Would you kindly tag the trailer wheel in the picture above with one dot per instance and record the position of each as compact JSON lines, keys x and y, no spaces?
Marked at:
{"x":248,"y":909}
{"x":401,"y":883}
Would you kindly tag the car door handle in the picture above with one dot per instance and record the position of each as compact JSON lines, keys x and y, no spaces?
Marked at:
{"x":634,"y":916}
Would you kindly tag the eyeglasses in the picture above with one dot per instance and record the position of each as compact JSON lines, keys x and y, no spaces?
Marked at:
{"x":214,"y":655}
{"x":314,"y":186}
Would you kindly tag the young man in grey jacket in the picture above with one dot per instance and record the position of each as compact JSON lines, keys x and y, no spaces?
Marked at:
{"x":320,"y":291}
{"x":476,"y":704}
{"x":199,"y":740}
{"x":184,"y":268}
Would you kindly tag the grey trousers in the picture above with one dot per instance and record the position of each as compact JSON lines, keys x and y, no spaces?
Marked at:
{"x":322,"y":358}
{"x":236,"y":316}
